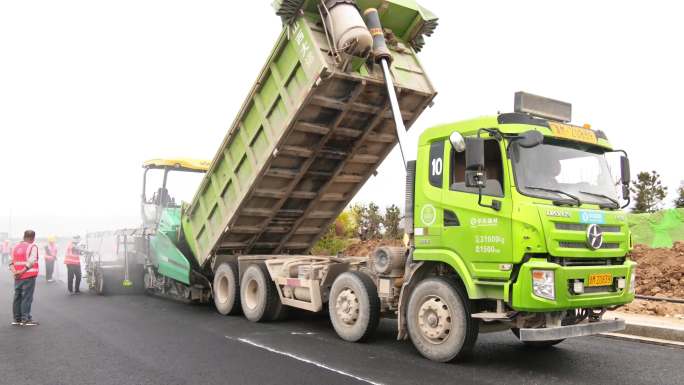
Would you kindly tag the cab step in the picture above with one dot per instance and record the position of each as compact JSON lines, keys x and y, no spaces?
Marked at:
{"x":491,"y":316}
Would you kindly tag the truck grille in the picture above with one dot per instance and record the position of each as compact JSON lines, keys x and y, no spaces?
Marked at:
{"x":582,"y":245}
{"x":566,"y":261}
{"x":583,"y":227}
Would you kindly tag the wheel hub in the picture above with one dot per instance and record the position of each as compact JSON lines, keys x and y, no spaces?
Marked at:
{"x":222,"y":289}
{"x":251,"y":294}
{"x":434,"y":319}
{"x":347,"y":306}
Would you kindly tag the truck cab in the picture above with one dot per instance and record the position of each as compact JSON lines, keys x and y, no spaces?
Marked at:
{"x":524,"y":208}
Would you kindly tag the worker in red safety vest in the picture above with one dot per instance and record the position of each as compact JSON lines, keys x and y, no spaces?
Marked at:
{"x":72,"y":260}
{"x":5,"y":251}
{"x":50,"y":258}
{"x":24,"y":267}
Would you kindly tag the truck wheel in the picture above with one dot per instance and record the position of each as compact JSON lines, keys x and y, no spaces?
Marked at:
{"x":227,"y":289}
{"x":536,"y":344}
{"x":99,"y":282}
{"x":258,"y":295}
{"x":354,"y":306}
{"x":439,"y":321}
{"x":147,"y":283}
{"x":137,"y":275}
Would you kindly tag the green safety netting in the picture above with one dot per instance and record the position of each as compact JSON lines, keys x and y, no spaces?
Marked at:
{"x":660,"y":229}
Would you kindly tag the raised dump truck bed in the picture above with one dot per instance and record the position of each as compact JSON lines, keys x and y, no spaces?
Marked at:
{"x":306,"y":140}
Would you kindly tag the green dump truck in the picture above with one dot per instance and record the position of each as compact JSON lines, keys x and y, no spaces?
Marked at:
{"x":512,"y":221}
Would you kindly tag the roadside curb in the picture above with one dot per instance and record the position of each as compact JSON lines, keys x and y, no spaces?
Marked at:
{"x":646,"y":340}
{"x":650,"y":329}
{"x":657,"y":332}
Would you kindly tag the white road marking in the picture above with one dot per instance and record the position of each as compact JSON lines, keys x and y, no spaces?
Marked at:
{"x":302,"y":359}
{"x":302,"y":333}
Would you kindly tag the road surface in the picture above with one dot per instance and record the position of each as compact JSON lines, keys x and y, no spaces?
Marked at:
{"x":88,"y":339}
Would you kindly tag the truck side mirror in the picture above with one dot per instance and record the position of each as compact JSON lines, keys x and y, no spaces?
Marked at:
{"x":531,"y":139}
{"x":625,"y":176}
{"x":475,"y":163}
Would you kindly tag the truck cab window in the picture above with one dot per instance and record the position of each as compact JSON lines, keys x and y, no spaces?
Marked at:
{"x":493,"y":164}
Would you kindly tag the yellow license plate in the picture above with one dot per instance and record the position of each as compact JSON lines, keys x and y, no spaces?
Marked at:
{"x":600,"y":280}
{"x":567,"y":131}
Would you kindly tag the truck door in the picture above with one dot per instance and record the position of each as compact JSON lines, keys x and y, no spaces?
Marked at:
{"x":480,"y":235}
{"x":429,"y":188}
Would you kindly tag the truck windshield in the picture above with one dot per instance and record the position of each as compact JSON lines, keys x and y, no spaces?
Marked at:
{"x":570,"y":171}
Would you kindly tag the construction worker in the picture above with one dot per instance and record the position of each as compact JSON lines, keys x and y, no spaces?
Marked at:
{"x":5,"y":250}
{"x":24,"y":267}
{"x":50,"y":258}
{"x":72,"y":260}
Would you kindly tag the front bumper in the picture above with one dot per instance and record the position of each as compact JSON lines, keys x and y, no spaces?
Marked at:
{"x":579,"y":330}
{"x":523,"y":299}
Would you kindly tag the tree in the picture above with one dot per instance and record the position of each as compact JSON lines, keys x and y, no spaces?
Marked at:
{"x":391,"y":222}
{"x":330,"y":243}
{"x":373,"y":221}
{"x":346,"y":224}
{"x":368,"y":220}
{"x":336,"y":238}
{"x":357,"y":212}
{"x":679,"y":202}
{"x":648,"y":191}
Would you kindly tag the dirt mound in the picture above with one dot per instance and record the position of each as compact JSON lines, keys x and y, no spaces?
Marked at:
{"x":660,"y":272}
{"x":663,"y":309}
{"x":366,"y":248}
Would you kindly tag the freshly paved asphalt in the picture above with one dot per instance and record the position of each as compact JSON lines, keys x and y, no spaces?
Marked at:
{"x":89,"y":339}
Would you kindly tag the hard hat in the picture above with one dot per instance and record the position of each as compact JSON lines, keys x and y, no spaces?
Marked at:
{"x":77,"y":238}
{"x":52,"y":238}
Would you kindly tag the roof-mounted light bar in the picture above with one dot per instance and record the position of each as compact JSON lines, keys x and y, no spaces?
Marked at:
{"x":543,"y":107}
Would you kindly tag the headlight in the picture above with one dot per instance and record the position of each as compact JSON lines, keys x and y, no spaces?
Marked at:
{"x":543,"y":284}
{"x":632,"y":282}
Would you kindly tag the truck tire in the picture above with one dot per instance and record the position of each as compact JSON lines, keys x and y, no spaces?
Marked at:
{"x":99,"y":282}
{"x":439,"y":321}
{"x":354,"y":306}
{"x":536,"y":344}
{"x":227,"y":288}
{"x":258,"y":295}
{"x":147,"y":283}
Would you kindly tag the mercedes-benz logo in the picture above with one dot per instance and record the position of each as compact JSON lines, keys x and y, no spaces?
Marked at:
{"x":594,"y":237}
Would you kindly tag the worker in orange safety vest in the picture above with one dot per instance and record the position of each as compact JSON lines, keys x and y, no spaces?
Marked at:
{"x":72,"y":260}
{"x":24,"y":267}
{"x":50,"y":258}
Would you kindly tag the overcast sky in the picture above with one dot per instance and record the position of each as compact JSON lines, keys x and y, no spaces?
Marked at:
{"x":90,"y":89}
